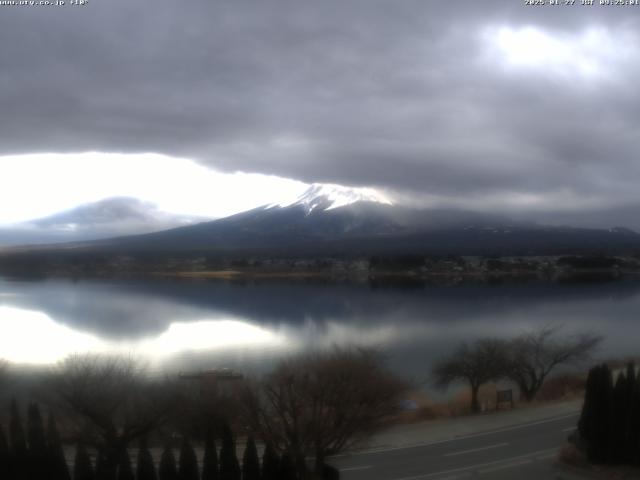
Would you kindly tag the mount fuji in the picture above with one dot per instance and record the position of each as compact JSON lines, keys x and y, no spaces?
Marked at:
{"x":324,"y":196}
{"x":336,"y":220}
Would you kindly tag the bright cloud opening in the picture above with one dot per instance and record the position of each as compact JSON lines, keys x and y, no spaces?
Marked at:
{"x":38,"y":185}
{"x":592,"y":53}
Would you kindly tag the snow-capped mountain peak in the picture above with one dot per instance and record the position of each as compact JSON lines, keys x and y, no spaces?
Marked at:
{"x":326,"y":196}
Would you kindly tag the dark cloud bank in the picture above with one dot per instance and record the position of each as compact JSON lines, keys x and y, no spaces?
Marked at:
{"x":400,"y":95}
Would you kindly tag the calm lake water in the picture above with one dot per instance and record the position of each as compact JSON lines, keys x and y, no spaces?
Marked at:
{"x":184,"y":325}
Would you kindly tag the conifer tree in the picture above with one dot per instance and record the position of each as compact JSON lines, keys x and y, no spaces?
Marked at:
{"x":604,"y":415}
{"x":229,"y":466}
{"x":57,"y":460}
{"x":595,"y":421}
{"x":270,"y":464}
{"x":125,"y":471}
{"x":82,"y":469}
{"x":188,"y":464}
{"x":287,"y":470}
{"x":635,"y":443}
{"x":250,"y":461}
{"x":4,"y":455}
{"x":210,"y":460}
{"x":631,"y":379}
{"x":167,"y":469}
{"x":330,"y":473}
{"x":100,"y":468}
{"x":38,"y":454}
{"x":145,"y":470}
{"x":105,"y":469}
{"x":617,"y":444}
{"x":18,"y":445}
{"x":35,"y":431}
{"x":631,"y":432}
{"x":585,"y":423}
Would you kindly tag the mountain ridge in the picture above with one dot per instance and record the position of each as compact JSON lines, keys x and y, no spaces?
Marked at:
{"x":369,"y":228}
{"x":335,"y":220}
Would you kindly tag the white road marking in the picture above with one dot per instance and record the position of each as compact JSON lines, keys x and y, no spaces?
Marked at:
{"x":351,"y":469}
{"x":570,"y":429}
{"x":473,"y":450}
{"x":474,"y":435}
{"x":504,"y":461}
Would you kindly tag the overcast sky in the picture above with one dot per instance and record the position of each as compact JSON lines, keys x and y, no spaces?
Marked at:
{"x":490,"y":104}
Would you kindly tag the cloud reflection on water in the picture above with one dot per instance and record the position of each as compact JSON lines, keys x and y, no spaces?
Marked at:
{"x":32,"y":337}
{"x":28,"y":336}
{"x":184,"y":325}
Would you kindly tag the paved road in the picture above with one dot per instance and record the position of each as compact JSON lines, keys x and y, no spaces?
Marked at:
{"x":522,"y":452}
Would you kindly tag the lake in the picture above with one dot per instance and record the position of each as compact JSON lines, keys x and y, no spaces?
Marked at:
{"x":247,"y":325}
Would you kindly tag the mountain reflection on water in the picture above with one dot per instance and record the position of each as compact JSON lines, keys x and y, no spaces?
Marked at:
{"x":247,"y":325}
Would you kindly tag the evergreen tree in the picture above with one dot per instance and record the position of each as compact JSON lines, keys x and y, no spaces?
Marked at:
{"x":35,"y":431}
{"x":229,"y":466}
{"x":330,"y":473}
{"x":167,"y":469}
{"x":610,"y":420}
{"x":585,"y":423}
{"x":632,"y":440}
{"x":145,"y":470}
{"x":18,"y":450}
{"x":100,"y":466}
{"x":4,"y":455}
{"x":105,"y":470}
{"x":631,"y":430}
{"x":188,"y":465}
{"x":210,"y":460}
{"x":57,"y":460}
{"x":595,"y":421}
{"x":287,"y":470}
{"x":250,"y":461}
{"x":635,"y":445}
{"x":125,"y":471}
{"x":604,"y":415}
{"x":82,"y":469}
{"x":270,"y":464}
{"x":619,"y":418}
{"x":38,"y":454}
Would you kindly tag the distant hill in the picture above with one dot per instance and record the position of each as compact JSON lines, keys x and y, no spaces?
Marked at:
{"x":103,"y":219}
{"x":329,"y":220}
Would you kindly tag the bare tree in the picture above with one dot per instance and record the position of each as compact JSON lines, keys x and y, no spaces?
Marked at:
{"x":110,"y":399}
{"x":534,"y":355}
{"x":205,"y":405}
{"x":476,"y":363}
{"x":320,"y":404}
